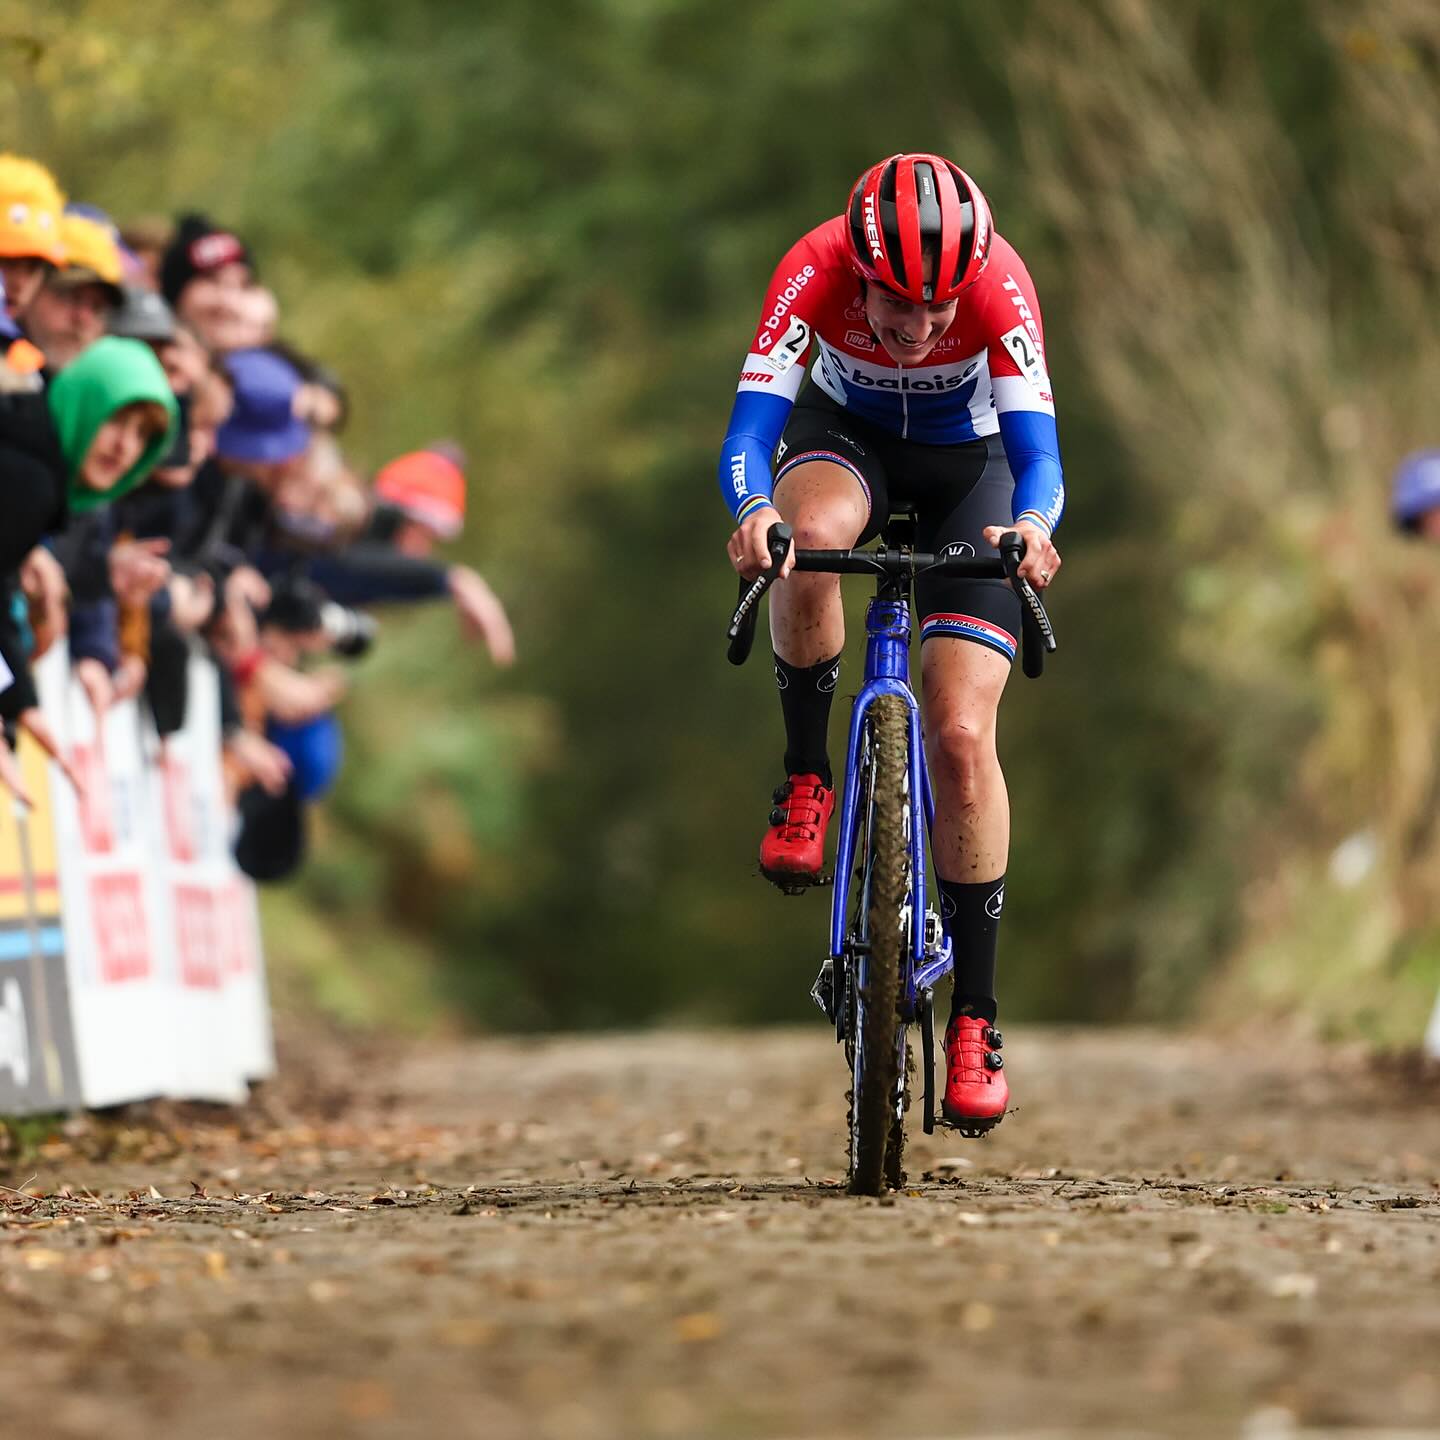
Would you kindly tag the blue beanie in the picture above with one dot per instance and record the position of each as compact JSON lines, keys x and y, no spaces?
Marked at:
{"x":1416,"y":488}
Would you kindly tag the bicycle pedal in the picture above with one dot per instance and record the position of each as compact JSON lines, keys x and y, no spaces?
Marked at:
{"x":798,"y":884}
{"x":971,"y":1129}
{"x":825,"y":993}
{"x":973,"y":1132}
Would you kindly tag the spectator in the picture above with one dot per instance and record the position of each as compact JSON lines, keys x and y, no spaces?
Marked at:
{"x":143,"y":315}
{"x":422,"y":499}
{"x":73,"y":307}
{"x":30,"y":247}
{"x":323,"y":402}
{"x":301,"y":723}
{"x":425,"y":493}
{"x":146,"y":241}
{"x":207,"y":276}
{"x":91,"y":437}
{"x":201,"y":384}
{"x":114,"y":416}
{"x":1415,"y":500}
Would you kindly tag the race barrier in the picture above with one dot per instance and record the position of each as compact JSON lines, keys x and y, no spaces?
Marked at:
{"x":130,"y":958}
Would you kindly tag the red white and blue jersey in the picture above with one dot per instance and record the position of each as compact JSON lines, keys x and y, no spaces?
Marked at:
{"x":986,"y":373}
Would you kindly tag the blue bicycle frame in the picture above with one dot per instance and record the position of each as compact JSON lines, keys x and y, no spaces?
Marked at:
{"x":887,"y":672}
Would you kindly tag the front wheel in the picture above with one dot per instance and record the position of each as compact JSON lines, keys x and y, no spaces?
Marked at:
{"x":883,"y":862}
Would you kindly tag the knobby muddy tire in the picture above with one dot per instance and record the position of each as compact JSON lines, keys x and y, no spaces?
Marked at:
{"x":872,"y":1109}
{"x":895,"y":1149}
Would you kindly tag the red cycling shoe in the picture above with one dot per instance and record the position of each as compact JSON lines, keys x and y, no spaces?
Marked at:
{"x":976,"y":1091}
{"x":793,"y":850}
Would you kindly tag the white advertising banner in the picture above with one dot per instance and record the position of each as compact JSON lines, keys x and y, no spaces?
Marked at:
{"x":207,"y":908}
{"x":154,"y":930}
{"x":121,"y":1006}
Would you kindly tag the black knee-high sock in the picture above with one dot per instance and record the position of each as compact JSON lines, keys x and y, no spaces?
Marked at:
{"x":805,"y":696}
{"x":971,"y":916}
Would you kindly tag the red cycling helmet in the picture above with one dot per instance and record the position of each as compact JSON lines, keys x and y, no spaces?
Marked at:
{"x":908,"y":205}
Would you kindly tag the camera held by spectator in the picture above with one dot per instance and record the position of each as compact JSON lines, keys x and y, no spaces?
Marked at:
{"x":301,"y":610}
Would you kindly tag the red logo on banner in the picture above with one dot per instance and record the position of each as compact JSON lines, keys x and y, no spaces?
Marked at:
{"x":117,"y":915}
{"x":237,"y":936}
{"x":197,"y":935}
{"x":179,"y":817}
{"x":97,"y":820}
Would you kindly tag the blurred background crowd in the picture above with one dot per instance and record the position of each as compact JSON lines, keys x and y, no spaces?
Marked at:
{"x":175,"y":484}
{"x":544,"y":232}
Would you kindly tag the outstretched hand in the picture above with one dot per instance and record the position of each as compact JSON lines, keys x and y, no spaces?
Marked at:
{"x":482,"y":614}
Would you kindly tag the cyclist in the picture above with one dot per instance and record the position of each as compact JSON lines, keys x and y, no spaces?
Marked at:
{"x":929,"y":390}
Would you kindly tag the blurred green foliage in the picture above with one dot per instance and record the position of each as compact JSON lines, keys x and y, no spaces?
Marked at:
{"x":546,"y":229}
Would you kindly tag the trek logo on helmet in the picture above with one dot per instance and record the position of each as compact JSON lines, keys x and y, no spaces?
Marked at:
{"x":872,"y":230}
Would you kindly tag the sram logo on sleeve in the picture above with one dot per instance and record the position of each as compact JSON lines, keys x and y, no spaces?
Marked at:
{"x":1028,"y":357}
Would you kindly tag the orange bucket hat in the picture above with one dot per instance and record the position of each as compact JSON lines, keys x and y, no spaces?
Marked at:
{"x":429,"y":486}
{"x":90,"y":248}
{"x":30,"y":208}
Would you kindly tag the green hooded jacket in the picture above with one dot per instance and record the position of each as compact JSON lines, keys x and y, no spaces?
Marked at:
{"x":104,"y":378}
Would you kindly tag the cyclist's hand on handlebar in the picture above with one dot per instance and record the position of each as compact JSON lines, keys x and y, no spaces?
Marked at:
{"x":1042,"y":560}
{"x":747,"y":548}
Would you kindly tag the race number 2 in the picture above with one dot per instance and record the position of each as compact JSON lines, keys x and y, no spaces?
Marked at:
{"x":1029,"y":358}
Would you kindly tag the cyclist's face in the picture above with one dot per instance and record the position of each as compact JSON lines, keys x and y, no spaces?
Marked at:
{"x":908,"y":332}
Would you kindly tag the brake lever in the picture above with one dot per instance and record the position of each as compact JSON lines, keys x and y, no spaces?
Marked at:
{"x":1034,"y":621}
{"x":741,"y":633}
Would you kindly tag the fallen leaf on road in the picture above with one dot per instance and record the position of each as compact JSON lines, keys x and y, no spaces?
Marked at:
{"x":1294,"y":1287}
{"x":702,"y":1325}
{"x":368,"y":1400}
{"x":467,"y":1334}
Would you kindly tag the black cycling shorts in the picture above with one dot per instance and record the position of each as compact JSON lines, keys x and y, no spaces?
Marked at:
{"x":955,"y":491}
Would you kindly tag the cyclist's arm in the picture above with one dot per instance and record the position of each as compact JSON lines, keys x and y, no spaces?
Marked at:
{"x":771,"y":378}
{"x":755,"y":425}
{"x":1026,"y":408}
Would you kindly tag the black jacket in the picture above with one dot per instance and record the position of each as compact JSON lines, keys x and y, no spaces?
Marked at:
{"x":32,"y":477}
